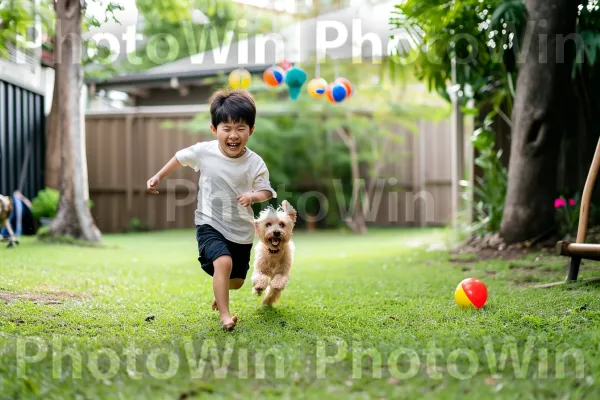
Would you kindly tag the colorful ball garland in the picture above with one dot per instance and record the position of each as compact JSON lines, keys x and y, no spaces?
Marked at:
{"x":336,"y":92}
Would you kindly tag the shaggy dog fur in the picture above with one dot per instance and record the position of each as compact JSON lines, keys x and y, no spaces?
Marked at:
{"x":274,"y":253}
{"x":6,"y":209}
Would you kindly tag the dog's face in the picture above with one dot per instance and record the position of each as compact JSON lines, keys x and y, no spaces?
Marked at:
{"x":274,"y":227}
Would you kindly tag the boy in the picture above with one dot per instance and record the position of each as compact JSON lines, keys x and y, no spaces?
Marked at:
{"x":232,"y":178}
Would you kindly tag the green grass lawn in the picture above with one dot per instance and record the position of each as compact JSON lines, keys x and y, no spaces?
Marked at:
{"x":362,"y":317}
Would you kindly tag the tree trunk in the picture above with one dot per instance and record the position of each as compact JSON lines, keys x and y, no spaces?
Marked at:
{"x":73,"y":216}
{"x":539,"y":121}
{"x":356,"y":222}
{"x":53,"y":157}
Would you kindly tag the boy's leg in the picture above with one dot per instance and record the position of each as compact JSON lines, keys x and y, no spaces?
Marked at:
{"x":234,"y":284}
{"x":221,"y":276}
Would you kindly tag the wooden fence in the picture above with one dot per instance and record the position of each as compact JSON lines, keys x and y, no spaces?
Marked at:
{"x":125,"y":148}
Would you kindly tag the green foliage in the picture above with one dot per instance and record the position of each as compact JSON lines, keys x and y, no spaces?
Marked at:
{"x":490,"y":189}
{"x":485,"y":38}
{"x":16,"y":18}
{"x":45,"y":204}
{"x":172,"y":33}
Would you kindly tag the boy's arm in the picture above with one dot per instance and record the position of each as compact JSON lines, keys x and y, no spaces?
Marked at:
{"x":168,"y":169}
{"x":247,"y":199}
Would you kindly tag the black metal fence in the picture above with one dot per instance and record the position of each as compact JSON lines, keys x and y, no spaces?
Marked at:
{"x":22,"y":134}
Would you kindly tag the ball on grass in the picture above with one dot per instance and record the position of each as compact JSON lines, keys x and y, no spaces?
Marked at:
{"x":470,"y":292}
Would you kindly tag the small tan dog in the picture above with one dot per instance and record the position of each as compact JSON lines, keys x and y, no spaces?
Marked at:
{"x":6,"y":209}
{"x":274,"y":253}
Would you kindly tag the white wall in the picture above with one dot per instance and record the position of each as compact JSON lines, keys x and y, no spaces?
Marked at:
{"x":48,"y":87}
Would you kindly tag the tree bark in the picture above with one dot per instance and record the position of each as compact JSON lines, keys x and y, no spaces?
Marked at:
{"x":539,"y":120}
{"x":73,"y":217}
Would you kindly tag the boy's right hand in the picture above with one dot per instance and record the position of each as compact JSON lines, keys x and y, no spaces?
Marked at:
{"x":151,"y":185}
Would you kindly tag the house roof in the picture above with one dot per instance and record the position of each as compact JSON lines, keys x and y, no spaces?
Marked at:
{"x":297,"y":43}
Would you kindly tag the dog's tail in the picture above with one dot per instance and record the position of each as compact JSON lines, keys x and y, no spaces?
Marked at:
{"x":271,"y":296}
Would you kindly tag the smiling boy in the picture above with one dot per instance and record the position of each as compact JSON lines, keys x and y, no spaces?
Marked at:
{"x":232,"y":178}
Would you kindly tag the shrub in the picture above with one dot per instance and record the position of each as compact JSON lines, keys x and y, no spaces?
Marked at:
{"x":45,"y":204}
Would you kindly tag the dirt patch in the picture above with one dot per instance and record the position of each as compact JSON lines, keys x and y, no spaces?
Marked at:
{"x":492,"y":247}
{"x":41,"y":298}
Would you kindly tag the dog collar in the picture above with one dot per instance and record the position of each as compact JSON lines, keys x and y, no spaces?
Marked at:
{"x":273,"y":251}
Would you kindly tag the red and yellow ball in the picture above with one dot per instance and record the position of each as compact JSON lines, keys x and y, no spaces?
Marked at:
{"x":470,"y":292}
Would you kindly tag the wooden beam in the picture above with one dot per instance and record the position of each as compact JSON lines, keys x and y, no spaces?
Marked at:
{"x":139,"y":92}
{"x":583,"y":250}
{"x":184,"y":91}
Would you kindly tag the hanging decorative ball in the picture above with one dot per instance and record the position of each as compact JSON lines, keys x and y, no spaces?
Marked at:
{"x":295,"y":78}
{"x":240,"y":78}
{"x":336,"y":92}
{"x":274,"y":76}
{"x":317,"y":87}
{"x":347,"y":84}
{"x":285,"y":65}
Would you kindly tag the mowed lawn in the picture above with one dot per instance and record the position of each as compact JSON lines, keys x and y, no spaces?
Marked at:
{"x":362,"y":317}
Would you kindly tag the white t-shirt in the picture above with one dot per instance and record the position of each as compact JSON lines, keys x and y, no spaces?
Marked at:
{"x":222,"y":180}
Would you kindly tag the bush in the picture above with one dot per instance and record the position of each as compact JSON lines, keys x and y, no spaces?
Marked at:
{"x":45,"y":204}
{"x":490,"y":190}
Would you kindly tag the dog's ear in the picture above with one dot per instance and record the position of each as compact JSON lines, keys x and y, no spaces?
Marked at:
{"x":289,"y":210}
{"x":256,"y":227}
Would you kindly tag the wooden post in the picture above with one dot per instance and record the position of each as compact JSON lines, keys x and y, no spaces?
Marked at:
{"x":418,"y":175}
{"x":128,"y":166}
{"x":456,"y":151}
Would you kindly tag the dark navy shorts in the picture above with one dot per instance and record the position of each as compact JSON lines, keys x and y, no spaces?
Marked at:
{"x":212,"y":245}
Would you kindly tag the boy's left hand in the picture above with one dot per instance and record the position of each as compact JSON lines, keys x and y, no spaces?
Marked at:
{"x":246,"y":199}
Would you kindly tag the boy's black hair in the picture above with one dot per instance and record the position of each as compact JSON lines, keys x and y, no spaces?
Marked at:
{"x":232,"y":106}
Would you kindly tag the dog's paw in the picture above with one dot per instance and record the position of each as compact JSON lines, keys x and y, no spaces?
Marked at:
{"x":258,"y":291}
{"x":12,"y":243}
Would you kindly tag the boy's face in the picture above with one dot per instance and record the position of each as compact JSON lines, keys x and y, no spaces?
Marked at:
{"x":232,"y":137}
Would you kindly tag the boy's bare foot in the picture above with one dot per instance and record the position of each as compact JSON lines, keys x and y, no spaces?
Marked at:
{"x":229,"y":322}
{"x":214,"y":304}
